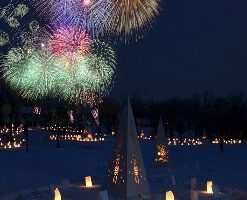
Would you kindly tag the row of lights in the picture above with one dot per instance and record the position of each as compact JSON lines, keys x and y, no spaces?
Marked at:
{"x":65,"y":129}
{"x":174,"y":142}
{"x":16,"y":131}
{"x":230,"y":141}
{"x":184,"y":142}
{"x":145,"y":137}
{"x":77,"y":138}
{"x":192,"y":142}
{"x":70,"y":130}
{"x":12,"y":145}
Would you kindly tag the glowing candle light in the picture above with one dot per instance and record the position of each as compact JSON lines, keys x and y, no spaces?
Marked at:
{"x":210,"y":187}
{"x":169,"y":195}
{"x":57,"y":195}
{"x":88,"y":181}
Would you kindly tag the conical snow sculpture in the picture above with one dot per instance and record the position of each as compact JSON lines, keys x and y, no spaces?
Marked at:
{"x":161,"y":151}
{"x":126,"y":176}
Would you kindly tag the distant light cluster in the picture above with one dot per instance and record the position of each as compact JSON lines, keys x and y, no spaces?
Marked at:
{"x":192,"y":142}
{"x":229,"y":141}
{"x":77,"y":138}
{"x":185,"y":142}
{"x":72,"y":134}
{"x":11,"y":139}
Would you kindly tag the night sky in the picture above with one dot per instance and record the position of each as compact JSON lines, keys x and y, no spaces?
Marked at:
{"x":193,"y":46}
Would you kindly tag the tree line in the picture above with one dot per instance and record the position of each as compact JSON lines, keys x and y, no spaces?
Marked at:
{"x":222,"y":117}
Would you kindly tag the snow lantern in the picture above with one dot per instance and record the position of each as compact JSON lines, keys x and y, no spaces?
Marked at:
{"x":90,"y":136}
{"x":57,"y":194}
{"x":169,"y":195}
{"x":126,"y":176}
{"x":210,"y":187}
{"x":88,"y":181}
{"x":161,"y":151}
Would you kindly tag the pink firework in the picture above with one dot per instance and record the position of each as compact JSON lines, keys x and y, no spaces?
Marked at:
{"x":86,"y":3}
{"x":70,"y":41}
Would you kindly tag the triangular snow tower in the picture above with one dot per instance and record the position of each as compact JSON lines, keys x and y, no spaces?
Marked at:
{"x":161,"y":148}
{"x":126,"y":176}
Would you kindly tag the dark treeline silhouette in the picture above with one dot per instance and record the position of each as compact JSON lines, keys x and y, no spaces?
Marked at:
{"x":221,"y":117}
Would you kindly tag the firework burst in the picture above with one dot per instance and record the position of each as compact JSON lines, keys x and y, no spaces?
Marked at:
{"x":13,"y":13}
{"x":130,"y":17}
{"x":18,"y":22}
{"x":103,"y":64}
{"x":100,"y":73}
{"x":70,"y":42}
{"x":33,"y":74}
{"x":4,"y":38}
{"x":91,"y":76}
{"x":91,"y":15}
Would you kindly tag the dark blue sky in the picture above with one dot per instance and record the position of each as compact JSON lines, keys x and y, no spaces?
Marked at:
{"x":193,"y":46}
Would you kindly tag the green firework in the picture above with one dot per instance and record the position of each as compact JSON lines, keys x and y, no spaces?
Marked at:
{"x":33,"y":74}
{"x":89,"y":76}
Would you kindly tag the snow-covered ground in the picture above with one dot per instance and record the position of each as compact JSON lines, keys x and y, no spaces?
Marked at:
{"x":45,"y":165}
